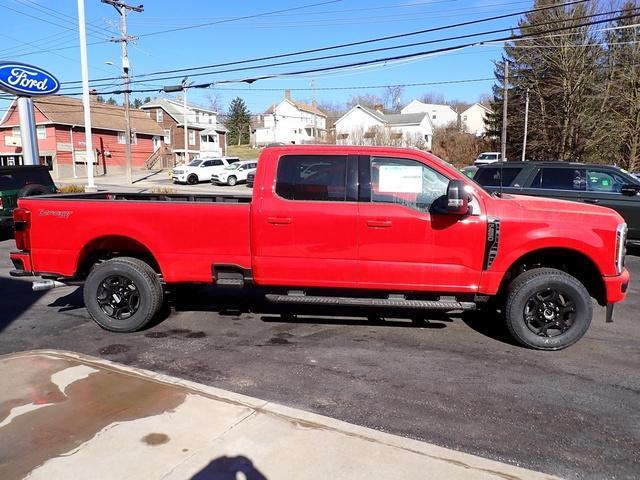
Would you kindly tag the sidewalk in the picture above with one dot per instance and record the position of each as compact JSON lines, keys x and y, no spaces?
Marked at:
{"x":141,"y":180}
{"x":64,"y":416}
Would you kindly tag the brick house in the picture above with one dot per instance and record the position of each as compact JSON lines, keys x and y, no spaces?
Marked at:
{"x":62,"y":140}
{"x":206,"y":137}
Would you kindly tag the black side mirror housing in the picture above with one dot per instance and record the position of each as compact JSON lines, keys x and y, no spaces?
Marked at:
{"x":630,"y":189}
{"x":457,"y":198}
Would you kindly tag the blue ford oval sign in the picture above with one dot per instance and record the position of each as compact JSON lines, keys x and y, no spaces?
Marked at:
{"x":26,"y":80}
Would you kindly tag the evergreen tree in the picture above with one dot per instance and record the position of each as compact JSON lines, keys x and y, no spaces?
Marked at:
{"x":561,"y":74}
{"x":238,"y":121}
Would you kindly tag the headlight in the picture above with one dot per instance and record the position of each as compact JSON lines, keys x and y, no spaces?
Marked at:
{"x":621,"y":247}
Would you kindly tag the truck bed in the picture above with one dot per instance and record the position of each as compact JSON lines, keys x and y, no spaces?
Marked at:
{"x":186,"y":233}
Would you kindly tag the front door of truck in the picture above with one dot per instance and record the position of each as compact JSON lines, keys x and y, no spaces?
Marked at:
{"x":403,"y":245}
{"x":305,"y":227}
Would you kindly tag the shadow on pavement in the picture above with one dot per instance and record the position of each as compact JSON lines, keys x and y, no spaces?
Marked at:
{"x":17,"y":298}
{"x":228,"y":302}
{"x":490,"y":324}
{"x":227,"y":468}
{"x":71,"y":301}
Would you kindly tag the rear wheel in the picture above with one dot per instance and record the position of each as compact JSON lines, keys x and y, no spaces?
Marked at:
{"x":192,"y":179}
{"x":123,"y":294}
{"x":231,"y":181}
{"x":32,"y":190}
{"x":547,"y":309}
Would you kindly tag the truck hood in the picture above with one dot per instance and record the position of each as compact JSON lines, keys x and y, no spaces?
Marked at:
{"x":544,"y":206}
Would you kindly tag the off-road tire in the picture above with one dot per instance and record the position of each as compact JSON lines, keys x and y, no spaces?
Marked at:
{"x":231,"y":181}
{"x":192,"y":179}
{"x":148,"y":286}
{"x":525,"y":286}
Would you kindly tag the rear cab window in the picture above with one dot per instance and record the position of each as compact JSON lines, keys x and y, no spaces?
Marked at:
{"x":312,"y":177}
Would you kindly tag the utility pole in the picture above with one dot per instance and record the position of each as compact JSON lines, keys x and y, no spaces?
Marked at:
{"x":186,"y":128}
{"x":122,"y":8}
{"x":526,"y":126}
{"x":504,"y":111}
{"x":86,"y":103}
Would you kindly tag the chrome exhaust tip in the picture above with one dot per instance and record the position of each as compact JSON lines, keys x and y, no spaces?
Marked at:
{"x":41,"y":285}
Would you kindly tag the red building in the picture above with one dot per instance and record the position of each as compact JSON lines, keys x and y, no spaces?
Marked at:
{"x":62,"y":141}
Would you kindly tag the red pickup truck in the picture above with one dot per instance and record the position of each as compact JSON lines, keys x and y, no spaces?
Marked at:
{"x":336,"y":225}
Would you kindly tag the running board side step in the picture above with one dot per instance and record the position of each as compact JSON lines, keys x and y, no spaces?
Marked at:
{"x":371,"y":302}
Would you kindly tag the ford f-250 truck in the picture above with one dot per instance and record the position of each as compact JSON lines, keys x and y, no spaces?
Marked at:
{"x":335,"y":225}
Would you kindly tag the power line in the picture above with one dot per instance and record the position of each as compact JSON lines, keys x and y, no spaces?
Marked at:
{"x":251,"y":80}
{"x":362,"y":52}
{"x":343,"y":45}
{"x":189,"y":27}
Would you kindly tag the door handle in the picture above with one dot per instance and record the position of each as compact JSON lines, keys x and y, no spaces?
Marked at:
{"x":279,"y":220}
{"x":379,"y":223}
{"x":590,"y":200}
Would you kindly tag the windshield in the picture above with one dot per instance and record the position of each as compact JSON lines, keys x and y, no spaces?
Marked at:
{"x":487,"y":156}
{"x":195,"y":163}
{"x":233,"y":166}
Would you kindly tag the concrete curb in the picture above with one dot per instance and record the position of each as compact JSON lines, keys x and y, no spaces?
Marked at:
{"x":472,"y":463}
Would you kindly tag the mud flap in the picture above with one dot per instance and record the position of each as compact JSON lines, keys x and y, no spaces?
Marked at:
{"x":609,"y":317}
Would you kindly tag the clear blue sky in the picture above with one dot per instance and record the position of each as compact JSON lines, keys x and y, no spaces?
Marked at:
{"x":33,"y":34}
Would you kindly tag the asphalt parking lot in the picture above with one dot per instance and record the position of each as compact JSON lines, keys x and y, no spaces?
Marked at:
{"x":454,"y":381}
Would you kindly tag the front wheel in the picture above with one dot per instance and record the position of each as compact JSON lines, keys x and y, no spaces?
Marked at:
{"x":547,"y":309}
{"x":231,"y":181}
{"x":192,"y":179}
{"x":123,"y":294}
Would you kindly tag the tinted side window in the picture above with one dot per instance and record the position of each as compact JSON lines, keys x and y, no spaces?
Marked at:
{"x":18,"y":179}
{"x":231,"y":160}
{"x":312,"y":177}
{"x":490,"y":176}
{"x":553,"y":178}
{"x":603,"y":181}
{"x":405,"y":182}
{"x":207,"y":163}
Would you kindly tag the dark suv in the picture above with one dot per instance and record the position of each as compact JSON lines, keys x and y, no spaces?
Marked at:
{"x":604,"y":185}
{"x":21,"y":181}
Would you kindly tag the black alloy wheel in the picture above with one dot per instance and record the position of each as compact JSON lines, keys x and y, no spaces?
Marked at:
{"x":118,"y":297}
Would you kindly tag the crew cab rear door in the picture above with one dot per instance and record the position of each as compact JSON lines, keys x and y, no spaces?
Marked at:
{"x":403,"y":244}
{"x":304,"y":225}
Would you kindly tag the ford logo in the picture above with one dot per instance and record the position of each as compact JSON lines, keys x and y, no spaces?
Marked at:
{"x":26,"y":80}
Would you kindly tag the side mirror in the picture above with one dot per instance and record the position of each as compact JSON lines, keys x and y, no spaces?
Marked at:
{"x":457,"y":198}
{"x":630,"y":189}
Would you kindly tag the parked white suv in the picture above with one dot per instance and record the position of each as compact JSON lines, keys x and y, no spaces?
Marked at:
{"x":234,"y":173}
{"x":201,"y":169}
{"x":488,"y":157}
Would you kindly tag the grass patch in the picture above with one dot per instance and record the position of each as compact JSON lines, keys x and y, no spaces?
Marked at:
{"x":244,"y":152}
{"x":72,"y":188}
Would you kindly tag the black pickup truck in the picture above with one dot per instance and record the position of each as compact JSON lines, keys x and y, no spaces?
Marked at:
{"x":603,"y":185}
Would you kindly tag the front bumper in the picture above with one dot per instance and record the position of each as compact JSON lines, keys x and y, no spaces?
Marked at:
{"x":22,"y":264}
{"x":616,"y":287}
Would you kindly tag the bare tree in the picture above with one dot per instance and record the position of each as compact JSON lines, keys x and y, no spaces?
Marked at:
{"x":392,"y":97}
{"x":433,"y":97}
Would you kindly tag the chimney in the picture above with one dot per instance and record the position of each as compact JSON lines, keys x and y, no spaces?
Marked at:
{"x":287,"y":94}
{"x":378,"y":108}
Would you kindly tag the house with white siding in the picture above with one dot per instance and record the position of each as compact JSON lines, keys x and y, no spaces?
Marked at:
{"x":440,"y":115}
{"x":371,"y":126}
{"x":290,"y":122}
{"x":473,"y":119}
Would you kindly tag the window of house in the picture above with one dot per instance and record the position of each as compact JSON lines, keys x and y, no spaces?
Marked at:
{"x":312,"y":177}
{"x":122,"y":139}
{"x":197,"y":116}
{"x":434,"y":116}
{"x":159,"y":116}
{"x":405,"y":182}
{"x":134,"y":139}
{"x":15,"y":131}
{"x":41,"y":132}
{"x":167,"y":136}
{"x":192,"y":137}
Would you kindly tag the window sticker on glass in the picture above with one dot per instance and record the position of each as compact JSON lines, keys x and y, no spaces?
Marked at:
{"x":400,"y":178}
